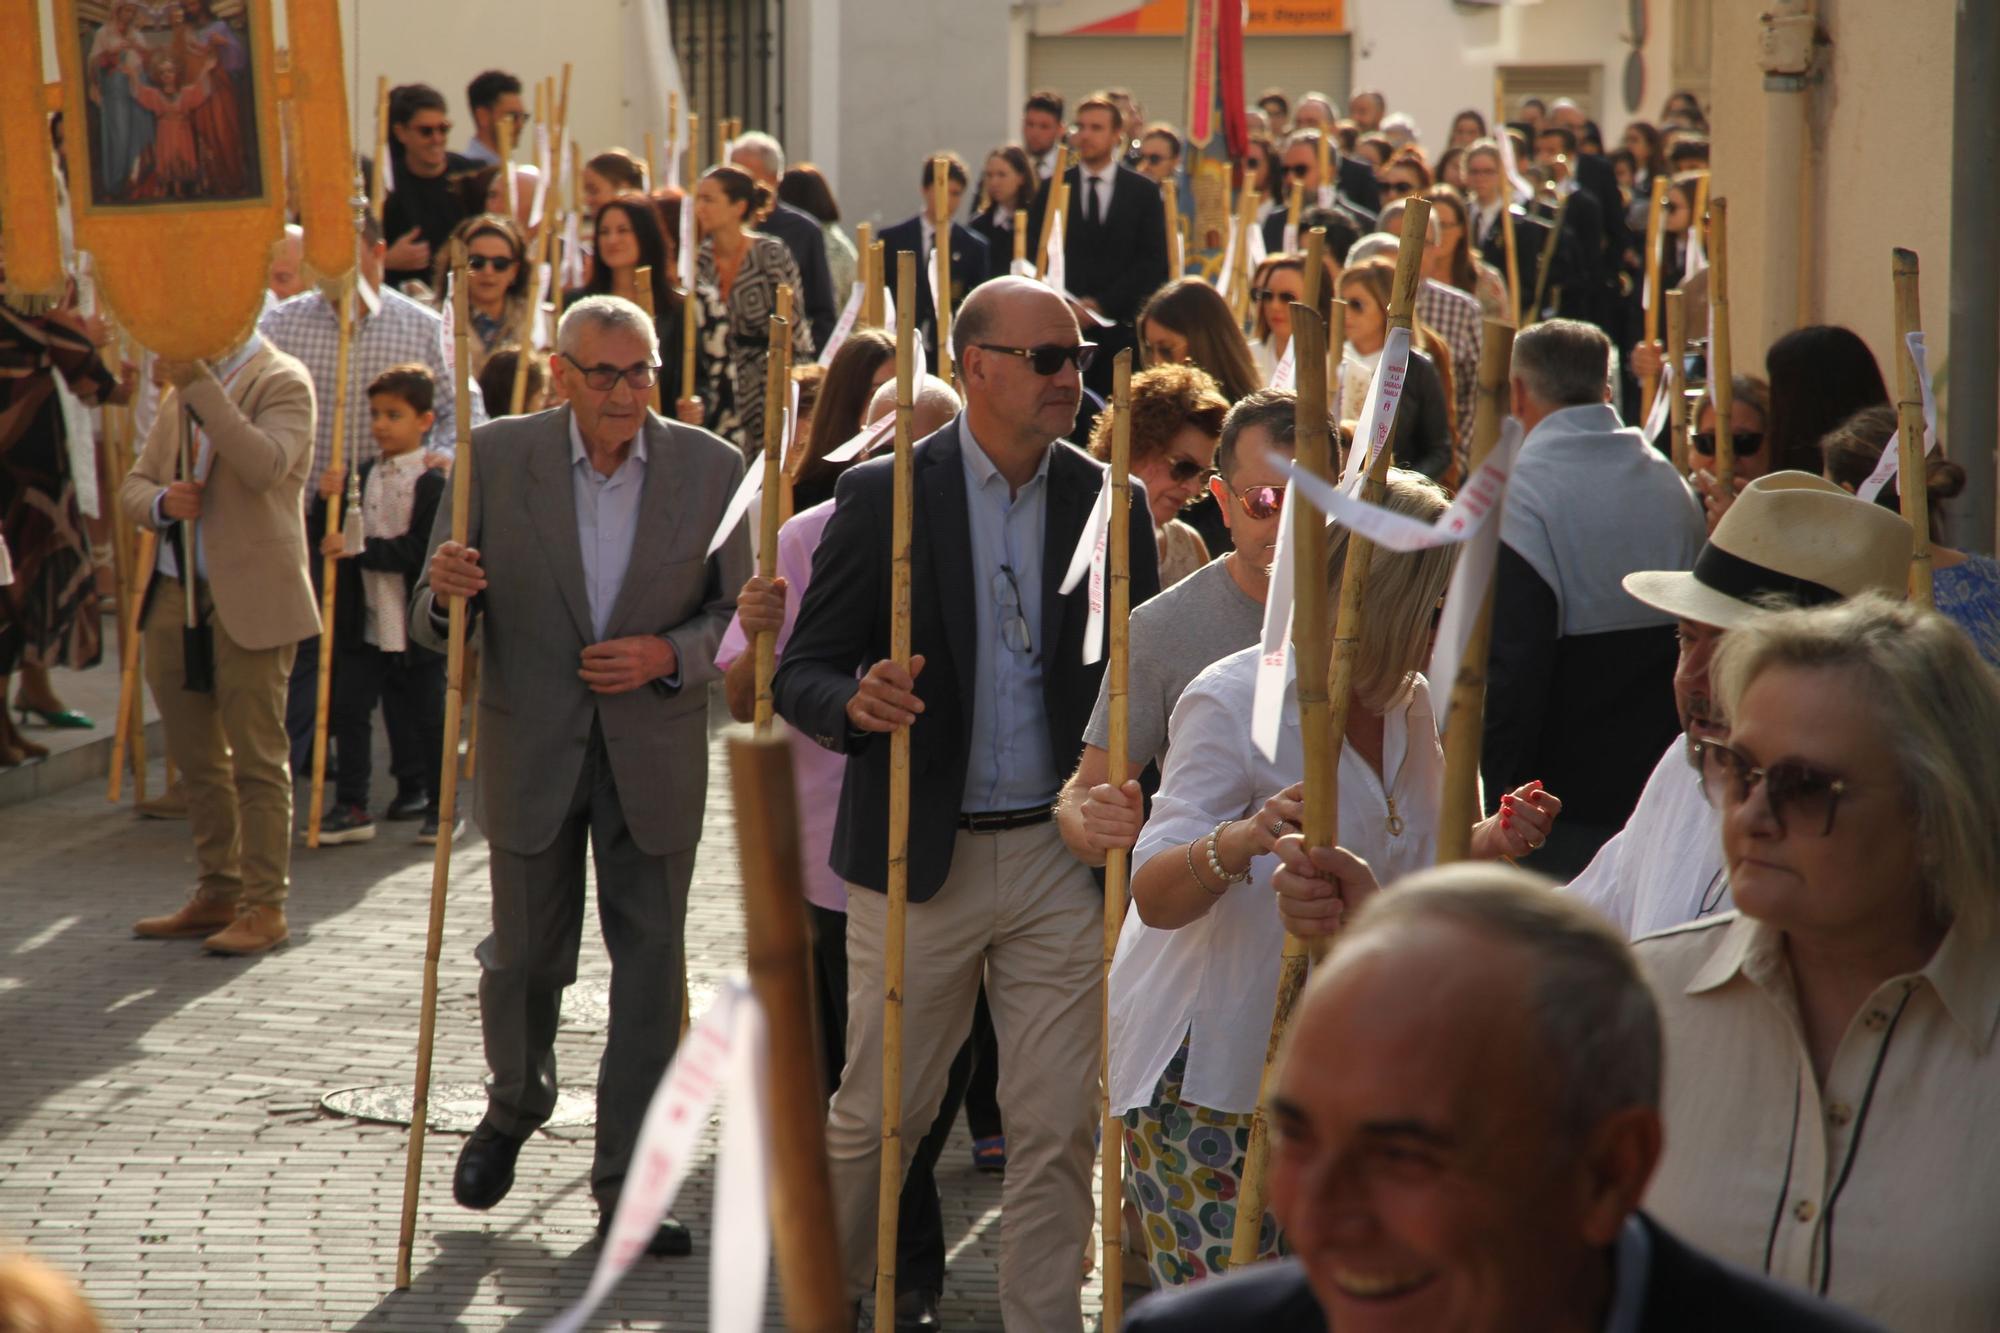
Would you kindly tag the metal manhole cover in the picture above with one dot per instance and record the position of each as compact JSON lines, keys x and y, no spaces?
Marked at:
{"x":455,"y":1108}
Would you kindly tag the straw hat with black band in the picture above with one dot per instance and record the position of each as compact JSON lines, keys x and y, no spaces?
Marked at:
{"x":1790,"y":536}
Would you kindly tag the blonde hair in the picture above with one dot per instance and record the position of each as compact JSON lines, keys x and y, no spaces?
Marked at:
{"x":1399,"y":600}
{"x":1939,"y":705}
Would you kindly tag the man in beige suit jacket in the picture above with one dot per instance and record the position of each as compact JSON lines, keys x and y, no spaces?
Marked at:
{"x":247,"y":422}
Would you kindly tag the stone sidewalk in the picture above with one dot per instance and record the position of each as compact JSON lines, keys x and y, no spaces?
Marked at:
{"x":160,"y":1132}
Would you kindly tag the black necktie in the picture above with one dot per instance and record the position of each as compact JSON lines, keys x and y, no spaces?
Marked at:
{"x":1093,"y":214}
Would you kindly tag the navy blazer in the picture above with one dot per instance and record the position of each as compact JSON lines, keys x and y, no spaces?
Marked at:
{"x":843,"y":629}
{"x":969,"y":268}
{"x":1686,"y":1292}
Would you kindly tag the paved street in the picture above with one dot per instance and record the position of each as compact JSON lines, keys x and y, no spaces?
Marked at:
{"x":160,"y":1131}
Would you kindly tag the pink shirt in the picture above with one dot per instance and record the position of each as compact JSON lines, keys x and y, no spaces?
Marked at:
{"x":817,"y":772}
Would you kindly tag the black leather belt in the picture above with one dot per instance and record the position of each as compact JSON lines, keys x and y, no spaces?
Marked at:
{"x":999,"y":821}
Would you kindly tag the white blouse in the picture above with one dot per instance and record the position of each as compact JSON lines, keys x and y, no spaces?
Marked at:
{"x":1214,"y":981}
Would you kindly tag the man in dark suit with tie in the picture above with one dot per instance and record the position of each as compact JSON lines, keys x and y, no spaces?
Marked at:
{"x":970,"y":262}
{"x":1489,"y":190}
{"x":1463,"y":1124}
{"x":1114,"y":235}
{"x":996,"y":697}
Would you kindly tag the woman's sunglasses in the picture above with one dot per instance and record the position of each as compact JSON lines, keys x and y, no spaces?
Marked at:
{"x":1743,"y":441}
{"x":498,"y":263}
{"x":1261,"y":502}
{"x":1791,"y":787}
{"x":1185,"y":470}
{"x":1397,"y":189}
{"x":1263,"y":294}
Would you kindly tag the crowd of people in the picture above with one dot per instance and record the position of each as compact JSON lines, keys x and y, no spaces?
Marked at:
{"x":1626,"y":1091}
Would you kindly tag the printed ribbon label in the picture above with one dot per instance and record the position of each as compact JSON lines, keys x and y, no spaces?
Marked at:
{"x":1274,"y":668}
{"x":1378,"y":408}
{"x":1089,"y":557}
{"x":862,"y":442}
{"x":1286,"y":370}
{"x":1885,"y":468}
{"x":725,"y":1050}
{"x":848,"y":314}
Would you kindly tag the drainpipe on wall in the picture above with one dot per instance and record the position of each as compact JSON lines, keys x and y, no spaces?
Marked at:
{"x":1972,"y":391}
{"x":1785,"y":49}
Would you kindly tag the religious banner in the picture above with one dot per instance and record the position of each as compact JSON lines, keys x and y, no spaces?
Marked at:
{"x":33,"y":269}
{"x":175,"y":172}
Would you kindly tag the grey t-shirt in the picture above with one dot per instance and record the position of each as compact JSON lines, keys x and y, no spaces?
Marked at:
{"x":1175,"y":637}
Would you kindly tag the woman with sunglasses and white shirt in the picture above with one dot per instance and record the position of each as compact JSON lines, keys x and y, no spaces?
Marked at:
{"x":1833,"y":1073}
{"x":1194,"y":980}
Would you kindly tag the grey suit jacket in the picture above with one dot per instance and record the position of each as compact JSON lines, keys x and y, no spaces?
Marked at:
{"x":535,"y":714}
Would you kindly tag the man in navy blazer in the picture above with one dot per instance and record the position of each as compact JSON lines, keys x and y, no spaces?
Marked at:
{"x":1463,"y":1125}
{"x":970,"y":263}
{"x":996,"y":698}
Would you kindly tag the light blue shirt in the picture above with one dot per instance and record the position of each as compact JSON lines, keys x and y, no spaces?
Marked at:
{"x":1011,"y":766}
{"x":168,"y":560}
{"x":607,"y":519}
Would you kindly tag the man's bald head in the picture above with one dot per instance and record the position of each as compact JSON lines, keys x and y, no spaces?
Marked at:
{"x":286,"y":277}
{"x":933,"y":404}
{"x":997,"y":303}
{"x":1006,"y":398}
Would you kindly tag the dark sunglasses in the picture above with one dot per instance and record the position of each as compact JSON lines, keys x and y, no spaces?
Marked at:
{"x":1262,"y":502}
{"x":1299,"y":170}
{"x":431,"y":131}
{"x":1184,"y":470}
{"x":498,"y":263}
{"x":1791,"y":787}
{"x":1048,"y":358}
{"x":1155,"y":159}
{"x":605,"y":378}
{"x":1397,"y":189}
{"x":1263,"y":294}
{"x":1744,"y":442}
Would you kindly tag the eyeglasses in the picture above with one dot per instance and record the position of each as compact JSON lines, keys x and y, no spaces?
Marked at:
{"x":1262,"y":502}
{"x":604,"y":378}
{"x":519,"y":117}
{"x":1397,"y":189}
{"x":1743,"y":441}
{"x":1791,"y":786}
{"x":1007,"y":596}
{"x":1185,"y":470}
{"x":498,"y":263}
{"x":1299,"y":170}
{"x":435,"y":130}
{"x":1048,"y":358}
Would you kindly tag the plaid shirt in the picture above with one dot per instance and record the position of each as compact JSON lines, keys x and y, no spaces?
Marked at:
{"x":1455,"y":316}
{"x":307,"y":327}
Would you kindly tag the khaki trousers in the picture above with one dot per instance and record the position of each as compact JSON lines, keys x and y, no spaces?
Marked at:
{"x":1020,"y":911}
{"x":231,"y":749}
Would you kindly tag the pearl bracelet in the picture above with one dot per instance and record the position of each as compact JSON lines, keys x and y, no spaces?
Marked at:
{"x":1215,"y":859}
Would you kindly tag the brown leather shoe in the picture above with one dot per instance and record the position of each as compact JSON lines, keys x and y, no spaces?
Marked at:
{"x":254,"y":930}
{"x":203,"y":914}
{"x":169,"y":804}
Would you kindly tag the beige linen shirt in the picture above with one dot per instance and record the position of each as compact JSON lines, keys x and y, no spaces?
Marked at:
{"x":1879,"y":1190}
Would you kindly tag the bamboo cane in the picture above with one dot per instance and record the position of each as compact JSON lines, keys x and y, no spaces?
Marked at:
{"x":776,"y":400}
{"x":1677,"y":405}
{"x":539,"y":253}
{"x":562,"y":110}
{"x":1507,"y":210}
{"x":690,"y":312}
{"x":503,"y":130}
{"x":1649,"y":385}
{"x":1549,"y":250}
{"x":131,"y":706}
{"x":642,"y":293}
{"x":878,"y":265}
{"x":1057,"y":201}
{"x":804,"y":1239}
{"x":673,"y":134}
{"x":1324,"y":151}
{"x":1315,"y":272}
{"x":1460,"y":808}
{"x":1239,"y":278}
{"x":941,"y":249}
{"x":329,"y":565}
{"x":890,"y":1182}
{"x":1322,"y":741}
{"x":650,"y":163}
{"x":1118,"y":860}
{"x":1170,"y":199}
{"x":378,"y":185}
{"x":1912,"y":469}
{"x":870,"y":314}
{"x":461,"y":513}
{"x":1295,"y":202}
{"x":1721,"y":386}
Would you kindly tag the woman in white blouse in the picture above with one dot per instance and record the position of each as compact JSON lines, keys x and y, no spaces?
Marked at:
{"x":1194,"y":980}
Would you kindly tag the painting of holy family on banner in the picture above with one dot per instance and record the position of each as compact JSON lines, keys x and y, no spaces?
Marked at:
{"x":171,"y":107}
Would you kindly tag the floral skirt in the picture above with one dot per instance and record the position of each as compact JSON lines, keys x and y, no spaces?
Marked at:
{"x":1184,"y":1166}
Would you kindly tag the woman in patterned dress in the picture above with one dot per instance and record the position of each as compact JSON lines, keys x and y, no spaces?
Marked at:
{"x":746,"y":267}
{"x":49,"y":613}
{"x":1195,"y":977}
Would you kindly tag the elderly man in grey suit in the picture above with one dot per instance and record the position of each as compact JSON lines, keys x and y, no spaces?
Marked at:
{"x":601,"y":613}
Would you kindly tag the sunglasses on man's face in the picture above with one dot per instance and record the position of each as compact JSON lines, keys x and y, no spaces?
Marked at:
{"x":498,"y":263}
{"x":437,"y":130}
{"x":1743,"y":441}
{"x":1048,"y":358}
{"x":1262,"y":502}
{"x":1791,"y":786}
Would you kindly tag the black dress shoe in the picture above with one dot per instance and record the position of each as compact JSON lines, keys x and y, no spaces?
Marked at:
{"x":671,"y":1241}
{"x":408,"y":807}
{"x":917,"y":1312}
{"x":485,"y":1167}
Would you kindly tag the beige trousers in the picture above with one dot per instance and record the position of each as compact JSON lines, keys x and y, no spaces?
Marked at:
{"x":232,"y":752}
{"x":1020,"y":911}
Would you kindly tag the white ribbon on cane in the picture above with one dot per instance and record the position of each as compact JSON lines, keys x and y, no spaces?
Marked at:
{"x":849,"y":313}
{"x":1283,"y":374}
{"x":1378,"y":408}
{"x":1089,"y":555}
{"x":1656,"y":417}
{"x":542,"y":173}
{"x":1885,"y":468}
{"x":726,"y":1049}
